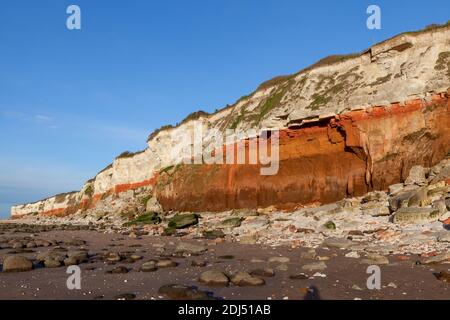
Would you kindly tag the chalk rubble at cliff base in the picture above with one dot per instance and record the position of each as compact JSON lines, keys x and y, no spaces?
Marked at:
{"x":410,"y":218}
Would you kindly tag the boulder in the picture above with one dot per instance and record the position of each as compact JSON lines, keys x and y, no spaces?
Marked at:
{"x":340,"y":243}
{"x":214,"y":278}
{"x":245,"y":279}
{"x":417,"y":176}
{"x":419,"y":198}
{"x":17,"y":264}
{"x":181,"y":221}
{"x":415,"y":215}
{"x":153,"y":205}
{"x":190,"y":248}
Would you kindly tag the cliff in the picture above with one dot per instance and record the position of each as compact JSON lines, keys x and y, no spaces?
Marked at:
{"x":348,"y":125}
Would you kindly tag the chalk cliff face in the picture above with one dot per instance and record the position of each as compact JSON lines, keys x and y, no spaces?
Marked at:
{"x":348,"y":125}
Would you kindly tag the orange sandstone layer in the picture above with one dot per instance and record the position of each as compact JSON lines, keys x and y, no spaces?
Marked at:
{"x":325,"y":161}
{"x":347,"y":155}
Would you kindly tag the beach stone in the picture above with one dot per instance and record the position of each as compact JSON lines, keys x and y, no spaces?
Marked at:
{"x":266,"y":272}
{"x":315,"y":266}
{"x":248,"y":239}
{"x":50,"y":263}
{"x":190,"y":248}
{"x":443,"y":276}
{"x":71,"y":261}
{"x":415,"y":215}
{"x":299,"y":276}
{"x":375,"y":259}
{"x":182,"y":292}
{"x":148,"y":266}
{"x":183,"y":221}
{"x":166,"y":263}
{"x":214,"y":278}
{"x":444,"y":238}
{"x":340,"y":243}
{"x":244,"y":279}
{"x":17,"y":264}
{"x":376,"y":209}
{"x":113,"y":257}
{"x":213,"y":234}
{"x":279,"y":259}
{"x":118,"y":270}
{"x":400,"y":200}
{"x":231,"y":223}
{"x":198,"y":263}
{"x":440,"y":206}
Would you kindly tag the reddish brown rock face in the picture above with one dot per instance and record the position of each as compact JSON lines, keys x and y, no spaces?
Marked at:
{"x":348,"y":155}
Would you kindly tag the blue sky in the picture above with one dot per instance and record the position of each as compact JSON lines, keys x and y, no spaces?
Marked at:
{"x":70,"y":101}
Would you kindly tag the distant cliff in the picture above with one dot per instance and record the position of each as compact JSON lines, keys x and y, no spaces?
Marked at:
{"x":348,"y":125}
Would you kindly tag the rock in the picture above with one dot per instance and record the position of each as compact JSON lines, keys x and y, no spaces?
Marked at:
{"x":50,"y":263}
{"x":330,"y":225}
{"x":447,"y":203}
{"x":438,"y":258}
{"x":400,"y":200}
{"x":315,"y":266}
{"x":310,"y":254}
{"x":299,"y":276}
{"x":419,"y":198}
{"x":181,"y":221}
{"x":118,"y":270}
{"x":375,"y":259}
{"x":266,"y":272}
{"x":375,"y":196}
{"x":250,"y":225}
{"x":395,"y":188}
{"x":244,"y":279}
{"x":214,"y":278}
{"x":340,"y":243}
{"x":352,"y":254}
{"x":376,"y":209}
{"x":248,"y":239}
{"x":16,"y":264}
{"x":113,"y":257}
{"x":78,"y":255}
{"x":444,"y":238}
{"x":279,"y":259}
{"x":166,"y":263}
{"x":231,"y":223}
{"x":440,"y":206}
{"x":136,"y":257}
{"x":443,"y":276}
{"x":198,"y":263}
{"x":182,"y":292}
{"x":282,"y":267}
{"x":153,"y":205}
{"x":148,"y":266}
{"x":416,"y":176}
{"x":213,"y":234}
{"x":70,"y":261}
{"x":415,"y":215}
{"x":190,"y":248}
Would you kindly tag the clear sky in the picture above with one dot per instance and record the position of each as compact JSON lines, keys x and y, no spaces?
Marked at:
{"x":70,"y":101}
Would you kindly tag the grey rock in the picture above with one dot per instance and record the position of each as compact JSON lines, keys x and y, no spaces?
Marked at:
{"x":181,"y":221}
{"x":396,"y":188}
{"x":190,"y":248}
{"x":315,"y":266}
{"x":214,"y":278}
{"x":415,"y":215}
{"x":149,"y":266}
{"x":340,"y":243}
{"x":17,"y":264}
{"x":244,"y":279}
{"x":416,"y":176}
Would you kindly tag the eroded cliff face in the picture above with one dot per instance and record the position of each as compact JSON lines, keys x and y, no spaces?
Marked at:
{"x":347,"y":125}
